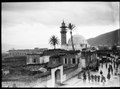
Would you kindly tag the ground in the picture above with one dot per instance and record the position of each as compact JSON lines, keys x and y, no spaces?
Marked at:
{"x":75,"y":82}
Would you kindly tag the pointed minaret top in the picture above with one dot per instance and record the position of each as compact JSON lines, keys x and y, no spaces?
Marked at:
{"x":63,"y":23}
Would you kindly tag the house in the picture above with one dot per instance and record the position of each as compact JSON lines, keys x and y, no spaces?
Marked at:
{"x":65,"y":57}
{"x":90,"y":57}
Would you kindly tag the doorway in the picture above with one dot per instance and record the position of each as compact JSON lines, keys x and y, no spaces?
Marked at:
{"x":57,"y":76}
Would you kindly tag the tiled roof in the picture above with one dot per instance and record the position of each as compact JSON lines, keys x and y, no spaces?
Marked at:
{"x":50,"y":65}
{"x":41,"y":49}
{"x":59,"y":51}
{"x":56,"y":52}
{"x":34,"y":54}
{"x":57,"y":55}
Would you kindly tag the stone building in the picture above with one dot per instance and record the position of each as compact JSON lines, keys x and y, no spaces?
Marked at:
{"x":91,"y":58}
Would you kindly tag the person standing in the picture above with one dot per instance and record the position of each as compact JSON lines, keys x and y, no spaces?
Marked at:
{"x":84,"y":77}
{"x":103,"y":80}
{"x":116,"y":65}
{"x":92,"y":78}
{"x":89,"y":78}
{"x":95,"y":78}
{"x":111,"y":70}
{"x":108,"y":76}
{"x":98,"y":78}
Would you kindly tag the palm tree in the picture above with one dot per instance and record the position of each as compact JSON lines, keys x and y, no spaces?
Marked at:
{"x":71,"y":26}
{"x":54,"y":41}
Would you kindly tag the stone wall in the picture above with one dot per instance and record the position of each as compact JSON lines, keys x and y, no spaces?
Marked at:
{"x":45,"y":79}
{"x":71,"y":73}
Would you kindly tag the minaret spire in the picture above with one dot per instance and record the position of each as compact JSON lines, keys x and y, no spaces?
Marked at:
{"x":63,"y":24}
{"x":63,"y":33}
{"x":63,"y":21}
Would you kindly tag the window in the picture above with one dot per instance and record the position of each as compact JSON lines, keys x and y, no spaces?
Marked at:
{"x":34,"y":60}
{"x":73,"y":61}
{"x":65,"y":61}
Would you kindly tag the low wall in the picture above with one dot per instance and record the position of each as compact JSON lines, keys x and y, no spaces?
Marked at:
{"x":71,"y":73}
{"x":44,"y":79}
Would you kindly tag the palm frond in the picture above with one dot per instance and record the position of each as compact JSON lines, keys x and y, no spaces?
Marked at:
{"x":54,"y":41}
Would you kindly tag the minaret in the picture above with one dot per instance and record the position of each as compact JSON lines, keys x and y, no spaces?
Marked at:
{"x":63,"y":33}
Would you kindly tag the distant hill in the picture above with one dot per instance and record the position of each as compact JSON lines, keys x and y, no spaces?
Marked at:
{"x":109,"y":39}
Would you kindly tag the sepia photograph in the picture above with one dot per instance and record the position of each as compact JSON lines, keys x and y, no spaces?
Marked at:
{"x":60,"y":44}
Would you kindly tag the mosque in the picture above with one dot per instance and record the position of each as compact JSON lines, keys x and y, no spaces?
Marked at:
{"x":78,"y":40}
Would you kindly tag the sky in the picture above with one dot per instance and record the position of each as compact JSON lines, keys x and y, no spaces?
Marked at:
{"x":31,"y":24}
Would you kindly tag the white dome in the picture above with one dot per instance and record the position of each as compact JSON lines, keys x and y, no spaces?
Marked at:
{"x":77,"y":40}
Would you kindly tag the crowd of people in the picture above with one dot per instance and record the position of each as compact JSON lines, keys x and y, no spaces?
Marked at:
{"x":94,"y":78}
{"x":110,"y":66}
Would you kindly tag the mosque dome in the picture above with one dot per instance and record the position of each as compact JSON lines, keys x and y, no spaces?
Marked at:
{"x":77,"y":40}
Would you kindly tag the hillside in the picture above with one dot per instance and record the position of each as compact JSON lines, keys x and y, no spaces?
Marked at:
{"x":109,"y":38}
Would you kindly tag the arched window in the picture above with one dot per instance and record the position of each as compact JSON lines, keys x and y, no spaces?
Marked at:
{"x":34,"y":60}
{"x":65,"y":61}
{"x":73,"y":61}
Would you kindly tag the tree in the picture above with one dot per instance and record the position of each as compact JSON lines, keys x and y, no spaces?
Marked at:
{"x":54,"y":41}
{"x":71,"y":26}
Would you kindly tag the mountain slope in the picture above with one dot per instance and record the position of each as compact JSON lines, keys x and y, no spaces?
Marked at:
{"x":109,"y":38}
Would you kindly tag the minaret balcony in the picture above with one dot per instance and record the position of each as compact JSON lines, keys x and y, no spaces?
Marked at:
{"x":63,"y":31}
